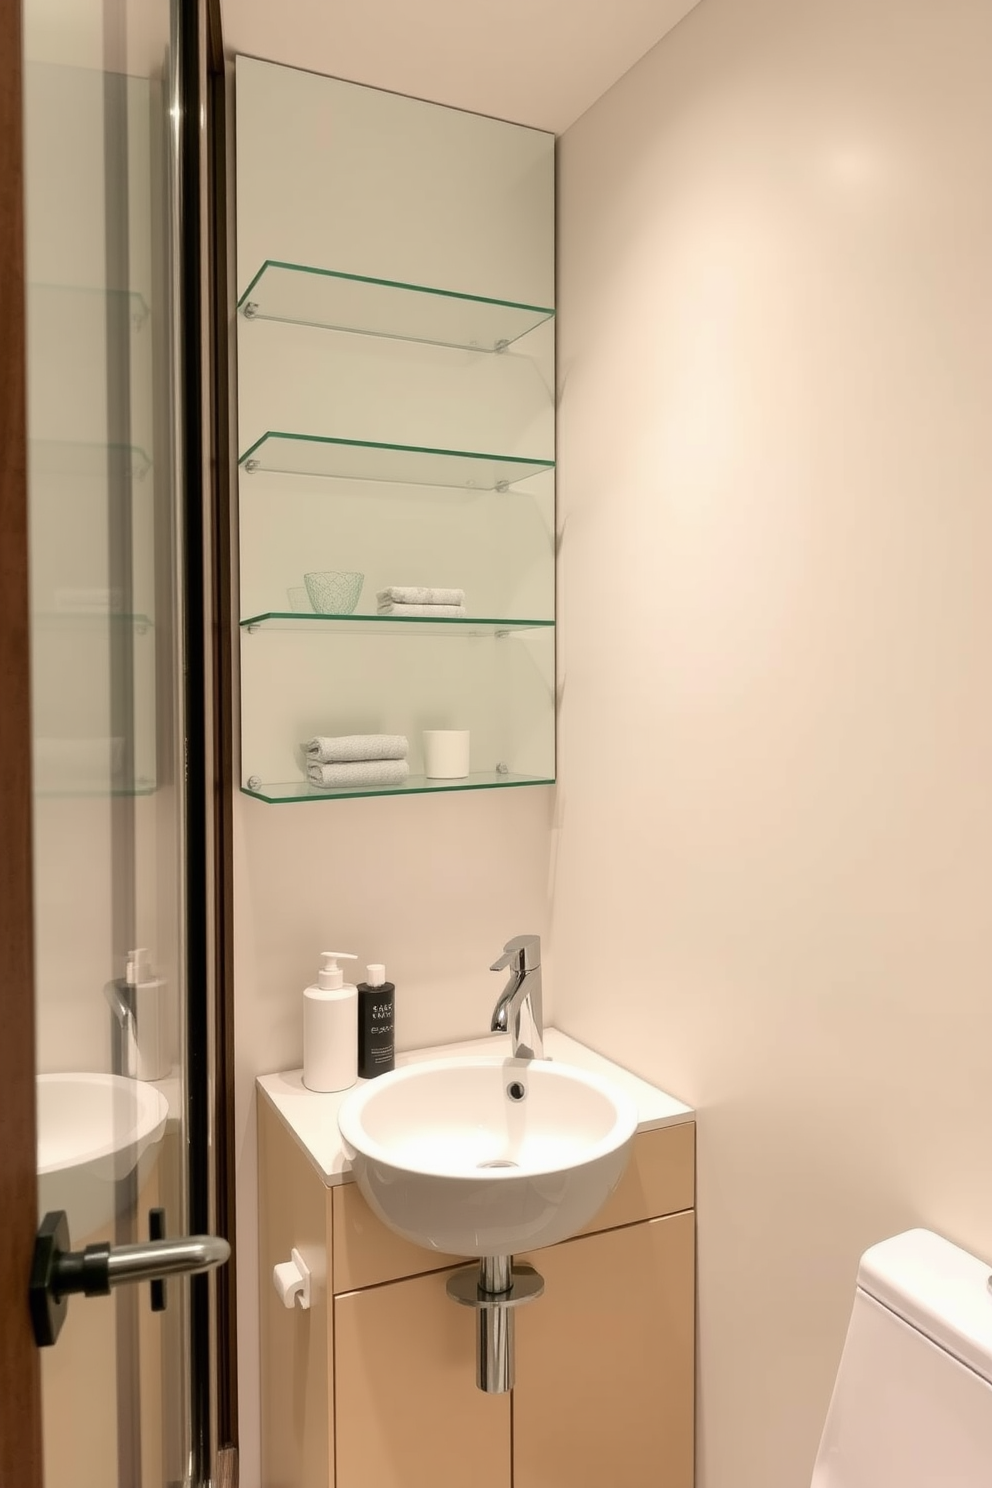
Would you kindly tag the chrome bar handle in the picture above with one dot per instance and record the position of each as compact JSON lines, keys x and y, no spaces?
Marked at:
{"x":58,"y":1272}
{"x":153,"y":1260}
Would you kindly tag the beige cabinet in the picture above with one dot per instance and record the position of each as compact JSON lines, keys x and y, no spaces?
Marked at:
{"x":408,"y":1414}
{"x":374,"y":1387}
{"x":604,"y":1386}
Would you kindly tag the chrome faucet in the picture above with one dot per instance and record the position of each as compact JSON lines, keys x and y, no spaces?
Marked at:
{"x":519,"y":1005}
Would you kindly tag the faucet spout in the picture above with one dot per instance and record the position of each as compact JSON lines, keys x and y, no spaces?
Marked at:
{"x":501,"y":1011}
{"x":518,"y":1008}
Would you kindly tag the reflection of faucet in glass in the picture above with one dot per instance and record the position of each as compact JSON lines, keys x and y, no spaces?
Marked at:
{"x":139,"y":1046}
{"x":520,"y":1000}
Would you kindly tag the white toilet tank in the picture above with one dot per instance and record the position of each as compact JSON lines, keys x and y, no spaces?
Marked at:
{"x":912,"y":1403}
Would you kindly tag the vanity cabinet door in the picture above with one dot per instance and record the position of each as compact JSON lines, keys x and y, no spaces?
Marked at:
{"x":604,"y":1366}
{"x":407,"y":1411}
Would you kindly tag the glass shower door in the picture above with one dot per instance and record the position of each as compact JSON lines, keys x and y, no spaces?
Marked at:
{"x":109,"y":736}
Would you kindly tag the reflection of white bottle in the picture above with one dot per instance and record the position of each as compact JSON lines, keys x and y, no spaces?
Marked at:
{"x":330,"y":1027}
{"x":146,"y":995}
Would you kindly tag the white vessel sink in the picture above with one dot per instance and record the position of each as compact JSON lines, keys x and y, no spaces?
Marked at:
{"x":93,"y":1130}
{"x":481,"y":1156}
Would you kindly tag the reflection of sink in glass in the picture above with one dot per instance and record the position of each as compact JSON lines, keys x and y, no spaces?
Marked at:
{"x":93,"y":1130}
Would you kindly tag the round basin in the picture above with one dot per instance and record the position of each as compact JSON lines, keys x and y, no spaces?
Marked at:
{"x":93,"y":1130}
{"x":481,"y":1156}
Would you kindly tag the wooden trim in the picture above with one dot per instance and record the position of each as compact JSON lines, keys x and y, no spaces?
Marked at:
{"x":20,"y":1390}
{"x":226,"y":1468}
{"x":215,"y":38}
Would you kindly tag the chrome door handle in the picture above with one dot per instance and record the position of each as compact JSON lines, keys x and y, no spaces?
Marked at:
{"x":58,"y":1272}
{"x":153,"y":1260}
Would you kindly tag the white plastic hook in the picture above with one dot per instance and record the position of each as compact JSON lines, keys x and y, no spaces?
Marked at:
{"x":291,"y":1279}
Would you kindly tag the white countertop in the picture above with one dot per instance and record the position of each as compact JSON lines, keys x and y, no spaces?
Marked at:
{"x":313,"y":1118}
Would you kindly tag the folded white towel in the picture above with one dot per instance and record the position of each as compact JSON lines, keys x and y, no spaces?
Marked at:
{"x":420,"y":595}
{"x":322,"y":750}
{"x":429,"y":611}
{"x":358,"y":772}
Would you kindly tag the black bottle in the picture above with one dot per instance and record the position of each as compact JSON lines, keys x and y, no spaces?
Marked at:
{"x":376,"y":1022}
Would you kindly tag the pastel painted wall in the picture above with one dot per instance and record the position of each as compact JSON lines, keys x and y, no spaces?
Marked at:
{"x":343,"y":177}
{"x":773,"y":883}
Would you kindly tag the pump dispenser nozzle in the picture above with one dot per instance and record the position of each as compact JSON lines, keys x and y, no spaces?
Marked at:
{"x":330,"y":976}
{"x":137,"y":968}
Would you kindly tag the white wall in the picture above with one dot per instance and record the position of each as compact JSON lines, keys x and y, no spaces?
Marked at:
{"x":775,"y":339}
{"x":541,"y":62}
{"x":337,"y":176}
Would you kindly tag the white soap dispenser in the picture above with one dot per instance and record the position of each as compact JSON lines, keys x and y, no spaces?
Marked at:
{"x":330,"y":1027}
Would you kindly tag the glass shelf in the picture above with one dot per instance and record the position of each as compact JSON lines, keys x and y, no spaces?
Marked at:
{"x":65,"y":298}
{"x":67,"y":457}
{"x":336,"y":301}
{"x":405,"y":464}
{"x":141,"y":787}
{"x":458,"y":626}
{"x":414,"y":785}
{"x":90,"y":619}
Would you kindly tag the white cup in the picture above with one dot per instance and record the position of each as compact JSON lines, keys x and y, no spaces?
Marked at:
{"x":446,"y":754}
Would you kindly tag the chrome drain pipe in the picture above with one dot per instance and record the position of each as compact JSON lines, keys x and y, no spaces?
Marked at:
{"x":494,"y":1327}
{"x":494,"y":1290}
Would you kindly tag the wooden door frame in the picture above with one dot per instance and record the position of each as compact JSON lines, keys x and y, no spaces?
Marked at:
{"x":20,"y":1373}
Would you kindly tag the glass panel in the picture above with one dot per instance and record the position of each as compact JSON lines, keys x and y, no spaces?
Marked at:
{"x":453,"y":626}
{"x":296,"y":790}
{"x":108,"y":890}
{"x":355,"y":459}
{"x":383,"y":307}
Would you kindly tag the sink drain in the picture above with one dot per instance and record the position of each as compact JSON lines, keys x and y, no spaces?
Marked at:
{"x":498,"y":1162}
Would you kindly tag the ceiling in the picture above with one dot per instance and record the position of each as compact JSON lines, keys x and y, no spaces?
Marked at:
{"x":536,"y":62}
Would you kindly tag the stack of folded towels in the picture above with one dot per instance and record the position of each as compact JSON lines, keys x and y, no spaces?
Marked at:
{"x":426,"y":603}
{"x":357,"y":759}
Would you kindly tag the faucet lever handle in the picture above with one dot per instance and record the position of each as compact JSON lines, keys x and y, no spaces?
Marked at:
{"x":523,"y":953}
